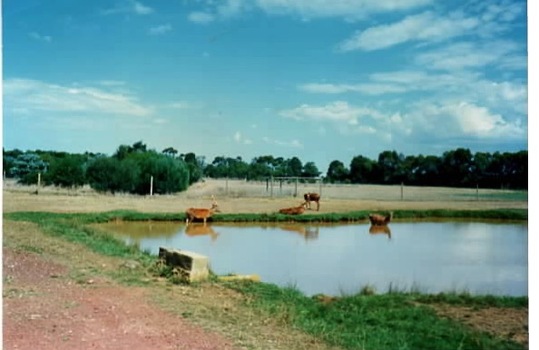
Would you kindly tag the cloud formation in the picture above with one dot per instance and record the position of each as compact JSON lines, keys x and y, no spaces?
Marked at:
{"x":351,"y":10}
{"x":129,"y":7}
{"x":426,"y":26}
{"x":33,"y":97}
{"x":160,"y":29}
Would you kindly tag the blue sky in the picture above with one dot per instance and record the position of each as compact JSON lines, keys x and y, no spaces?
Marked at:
{"x":319,"y":80}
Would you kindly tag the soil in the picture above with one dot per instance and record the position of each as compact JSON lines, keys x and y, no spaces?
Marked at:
{"x":58,"y":295}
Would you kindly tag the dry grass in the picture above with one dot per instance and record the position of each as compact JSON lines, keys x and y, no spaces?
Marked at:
{"x":236,"y":196}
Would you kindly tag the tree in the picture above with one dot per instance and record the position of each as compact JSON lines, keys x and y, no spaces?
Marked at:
{"x":195,"y":168}
{"x":294,"y":167}
{"x":391,"y":164}
{"x":456,"y":168}
{"x":310,"y":170}
{"x":169,"y":151}
{"x":66,"y":171}
{"x":362,"y":170}
{"x":108,"y":174}
{"x":337,"y":172}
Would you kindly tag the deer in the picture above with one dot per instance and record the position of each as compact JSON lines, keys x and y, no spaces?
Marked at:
{"x":294,"y":210}
{"x":201,"y":213}
{"x":380,"y":220}
{"x":314,"y":197}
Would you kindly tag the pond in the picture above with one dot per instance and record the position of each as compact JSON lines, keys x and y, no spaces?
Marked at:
{"x":431,"y":257}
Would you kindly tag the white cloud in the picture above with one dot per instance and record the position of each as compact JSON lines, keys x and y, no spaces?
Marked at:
{"x":339,"y":112}
{"x":141,"y":9}
{"x":40,"y":37}
{"x":462,"y":119}
{"x":160,"y":29}
{"x":349,"y":9}
{"x":426,"y":26}
{"x":183,"y":105}
{"x":201,"y":17}
{"x":306,"y":9}
{"x":292,"y":143}
{"x":368,"y":89}
{"x":35,"y":97}
{"x":239,"y":138}
{"x":465,"y":55}
{"x":129,"y":7}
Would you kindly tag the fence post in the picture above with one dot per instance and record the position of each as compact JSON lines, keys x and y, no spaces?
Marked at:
{"x":477,"y":192}
{"x":296,"y":188}
{"x":151,"y":185}
{"x":319,"y":187}
{"x":402,"y":191}
{"x":38,"y":182}
{"x":271,"y":186}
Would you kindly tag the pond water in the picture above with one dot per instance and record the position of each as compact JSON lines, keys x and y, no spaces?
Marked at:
{"x":432,"y":257}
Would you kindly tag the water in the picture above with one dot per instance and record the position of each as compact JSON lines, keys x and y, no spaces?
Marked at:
{"x":477,"y":257}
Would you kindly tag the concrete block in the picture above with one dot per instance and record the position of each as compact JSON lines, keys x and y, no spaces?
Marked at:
{"x":194,"y":264}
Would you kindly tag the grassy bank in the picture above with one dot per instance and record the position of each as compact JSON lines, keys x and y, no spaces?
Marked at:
{"x":394,"y":320}
{"x":492,"y":214}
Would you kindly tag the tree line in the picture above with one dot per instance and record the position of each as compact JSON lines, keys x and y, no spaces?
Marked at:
{"x":131,"y":167}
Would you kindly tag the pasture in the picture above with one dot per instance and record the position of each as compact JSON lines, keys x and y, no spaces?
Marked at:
{"x":238,"y":196}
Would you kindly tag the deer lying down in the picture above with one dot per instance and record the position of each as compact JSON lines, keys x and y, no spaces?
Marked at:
{"x":293,"y":210}
{"x":312,"y":197}
{"x":379,"y":220}
{"x":201,"y":213}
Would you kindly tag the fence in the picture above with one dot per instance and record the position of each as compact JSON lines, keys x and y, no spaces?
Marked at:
{"x":292,"y":187}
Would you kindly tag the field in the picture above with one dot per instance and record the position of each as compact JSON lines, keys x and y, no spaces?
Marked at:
{"x":65,"y":289}
{"x":236,"y":196}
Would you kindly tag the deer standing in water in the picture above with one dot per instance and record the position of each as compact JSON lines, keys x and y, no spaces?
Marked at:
{"x":380,"y":220}
{"x":314,"y":197}
{"x":201,"y":213}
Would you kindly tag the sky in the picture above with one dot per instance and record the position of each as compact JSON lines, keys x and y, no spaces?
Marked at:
{"x":314,"y":79}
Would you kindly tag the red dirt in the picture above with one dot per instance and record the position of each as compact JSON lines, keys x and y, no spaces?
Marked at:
{"x":44,"y":309}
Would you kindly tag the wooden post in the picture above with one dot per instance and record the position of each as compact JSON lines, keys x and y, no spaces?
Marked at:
{"x":226,"y":186}
{"x":151,"y":185}
{"x":477,"y":192}
{"x":319,"y":187}
{"x":38,"y":182}
{"x":296,"y":188}
{"x":271,"y":186}
{"x":402,"y":191}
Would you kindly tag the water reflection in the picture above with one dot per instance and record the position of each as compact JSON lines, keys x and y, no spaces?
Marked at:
{"x":380,"y":229}
{"x":196,"y":229}
{"x":479,"y":257}
{"x":308,"y":232}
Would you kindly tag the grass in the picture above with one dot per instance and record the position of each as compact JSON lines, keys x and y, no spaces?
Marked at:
{"x":496,"y":214}
{"x":366,"y":320}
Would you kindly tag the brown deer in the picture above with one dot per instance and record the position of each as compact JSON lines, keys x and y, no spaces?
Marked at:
{"x":380,"y":220}
{"x":201,"y":213}
{"x":294,"y":210}
{"x":312,"y":197}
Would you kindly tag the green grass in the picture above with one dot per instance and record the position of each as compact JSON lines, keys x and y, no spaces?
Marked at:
{"x":387,"y":321}
{"x":494,"y":214}
{"x":498,"y":214}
